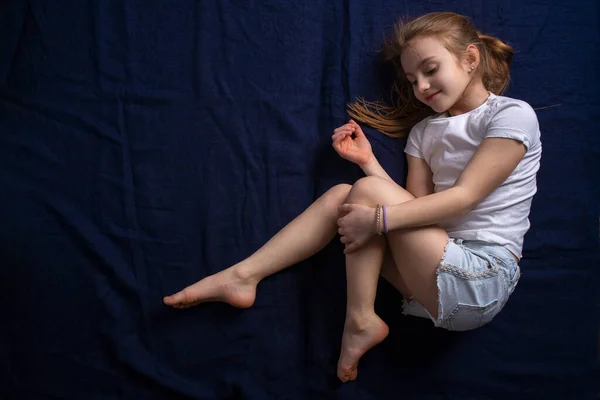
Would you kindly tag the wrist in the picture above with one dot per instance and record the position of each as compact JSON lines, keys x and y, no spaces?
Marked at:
{"x":381,"y":220}
{"x":371,"y":161}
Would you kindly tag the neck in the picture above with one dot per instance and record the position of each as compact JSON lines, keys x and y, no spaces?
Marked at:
{"x":474,"y":95}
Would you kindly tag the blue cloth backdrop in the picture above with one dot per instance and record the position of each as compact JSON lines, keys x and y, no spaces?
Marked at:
{"x":145,"y":145}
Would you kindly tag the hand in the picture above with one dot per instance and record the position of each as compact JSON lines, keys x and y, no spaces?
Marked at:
{"x":357,"y":150}
{"x":357,"y":226}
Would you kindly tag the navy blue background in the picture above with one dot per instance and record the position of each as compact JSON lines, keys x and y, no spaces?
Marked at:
{"x":145,"y":145}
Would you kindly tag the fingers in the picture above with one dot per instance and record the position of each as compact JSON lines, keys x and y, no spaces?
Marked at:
{"x":342,"y":134}
{"x":350,"y":126}
{"x":344,"y":130}
{"x":344,"y":208}
{"x":338,"y":143}
{"x":350,"y":248}
{"x":357,"y":129}
{"x":346,"y":127}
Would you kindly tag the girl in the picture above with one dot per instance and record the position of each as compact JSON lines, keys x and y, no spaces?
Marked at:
{"x":451,"y":241}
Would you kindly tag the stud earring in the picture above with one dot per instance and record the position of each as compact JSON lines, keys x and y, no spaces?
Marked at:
{"x":472,"y":68}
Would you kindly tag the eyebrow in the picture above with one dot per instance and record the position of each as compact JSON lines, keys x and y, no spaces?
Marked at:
{"x":423,"y":62}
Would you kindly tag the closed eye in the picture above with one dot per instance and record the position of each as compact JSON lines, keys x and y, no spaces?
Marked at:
{"x":428,"y":73}
{"x":432,"y":71}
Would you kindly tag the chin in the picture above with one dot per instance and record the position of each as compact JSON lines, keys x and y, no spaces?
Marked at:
{"x":439,"y":109}
{"x":439,"y":105}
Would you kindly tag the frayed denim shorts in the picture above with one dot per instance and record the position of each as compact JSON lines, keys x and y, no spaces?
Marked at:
{"x":475,"y":280}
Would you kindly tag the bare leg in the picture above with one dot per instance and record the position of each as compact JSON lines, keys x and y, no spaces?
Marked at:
{"x":303,"y":237}
{"x":416,"y":253}
{"x":371,"y":329}
{"x":363,"y":329}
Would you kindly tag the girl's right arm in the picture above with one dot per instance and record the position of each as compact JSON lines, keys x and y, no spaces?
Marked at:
{"x":419,"y":181}
{"x":357,"y":149}
{"x":373,"y":168}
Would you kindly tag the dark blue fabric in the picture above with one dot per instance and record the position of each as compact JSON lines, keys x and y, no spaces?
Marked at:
{"x":145,"y":145}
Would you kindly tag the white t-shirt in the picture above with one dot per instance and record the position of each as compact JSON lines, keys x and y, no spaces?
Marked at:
{"x":448,"y":143}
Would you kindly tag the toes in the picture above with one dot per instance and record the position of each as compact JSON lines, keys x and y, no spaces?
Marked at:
{"x":347,"y":374}
{"x":353,"y":375}
{"x":169,"y":301}
{"x":345,"y":377}
{"x":179,"y":299}
{"x":174,"y":299}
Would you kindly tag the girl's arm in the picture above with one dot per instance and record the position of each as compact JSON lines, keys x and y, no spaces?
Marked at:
{"x":373,"y":168}
{"x":419,"y":181}
{"x":357,"y":149}
{"x":492,"y":163}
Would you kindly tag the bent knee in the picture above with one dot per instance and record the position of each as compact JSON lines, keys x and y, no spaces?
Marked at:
{"x":335,"y":197}
{"x":339,"y":192}
{"x":373,"y":189}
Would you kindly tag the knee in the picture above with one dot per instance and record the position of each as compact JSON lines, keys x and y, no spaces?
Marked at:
{"x":367,"y":189}
{"x":372,"y":190}
{"x":335,"y":197}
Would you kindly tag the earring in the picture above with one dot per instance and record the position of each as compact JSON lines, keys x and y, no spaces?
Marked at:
{"x":472,"y":68}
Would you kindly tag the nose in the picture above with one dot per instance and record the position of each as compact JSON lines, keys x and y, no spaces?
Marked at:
{"x":423,"y":85}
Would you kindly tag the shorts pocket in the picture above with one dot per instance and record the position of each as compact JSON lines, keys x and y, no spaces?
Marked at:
{"x":465,"y":317}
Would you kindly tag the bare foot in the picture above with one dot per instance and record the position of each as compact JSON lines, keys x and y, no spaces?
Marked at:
{"x":359,"y":337}
{"x":228,"y":286}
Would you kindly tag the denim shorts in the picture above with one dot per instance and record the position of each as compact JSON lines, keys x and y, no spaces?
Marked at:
{"x":474,"y":282}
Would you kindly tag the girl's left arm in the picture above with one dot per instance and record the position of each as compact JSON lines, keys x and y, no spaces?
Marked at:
{"x":492,"y":164}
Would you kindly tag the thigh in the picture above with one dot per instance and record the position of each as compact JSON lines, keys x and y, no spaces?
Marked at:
{"x":417,"y":251}
{"x":417,"y":254}
{"x":333,"y":198}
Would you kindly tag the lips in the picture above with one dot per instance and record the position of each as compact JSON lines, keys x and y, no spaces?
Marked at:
{"x":432,"y":96}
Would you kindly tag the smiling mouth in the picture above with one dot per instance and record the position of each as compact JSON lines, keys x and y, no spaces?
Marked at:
{"x":431,"y":97}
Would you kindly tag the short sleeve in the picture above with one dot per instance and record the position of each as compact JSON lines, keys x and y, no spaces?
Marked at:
{"x":413,"y":143}
{"x":515,"y":120}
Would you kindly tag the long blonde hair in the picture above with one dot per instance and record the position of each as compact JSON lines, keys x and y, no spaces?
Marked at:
{"x":456,"y":32}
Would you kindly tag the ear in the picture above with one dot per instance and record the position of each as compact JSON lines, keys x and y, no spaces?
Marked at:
{"x":472,"y":58}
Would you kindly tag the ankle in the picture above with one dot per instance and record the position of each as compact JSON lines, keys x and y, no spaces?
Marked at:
{"x":360,"y":320}
{"x":244,"y":274}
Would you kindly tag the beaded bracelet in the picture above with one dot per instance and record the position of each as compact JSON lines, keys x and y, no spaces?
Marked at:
{"x":378,"y":220}
{"x":381,"y":207}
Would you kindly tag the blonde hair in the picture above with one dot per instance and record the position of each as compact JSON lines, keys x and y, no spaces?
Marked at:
{"x":456,"y":32}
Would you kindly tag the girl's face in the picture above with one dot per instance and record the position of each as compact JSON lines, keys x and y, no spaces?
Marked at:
{"x":439,"y":80}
